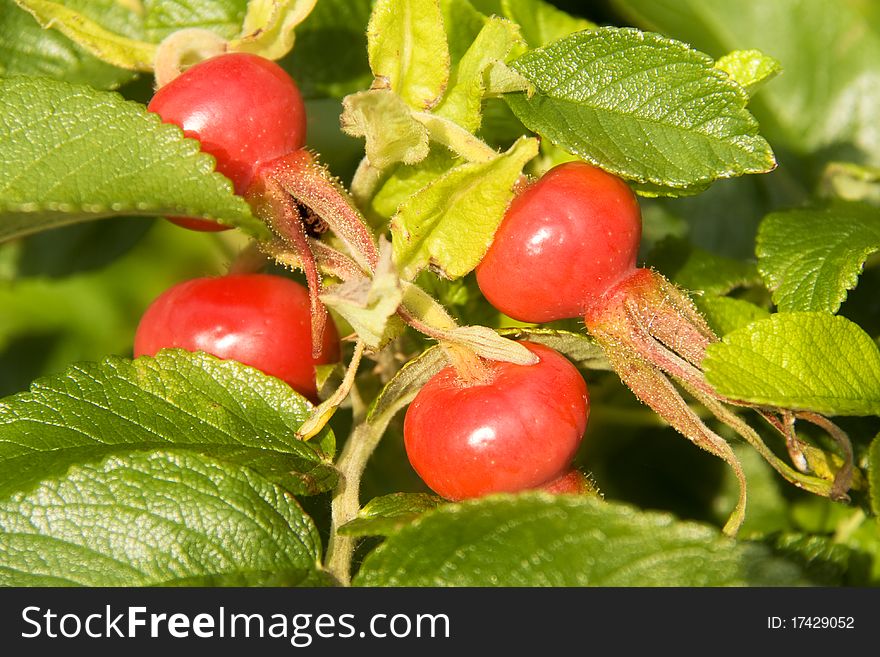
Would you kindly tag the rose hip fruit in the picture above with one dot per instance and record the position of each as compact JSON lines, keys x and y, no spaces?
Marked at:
{"x":260,"y":320}
{"x":563,"y":242}
{"x":518,"y":429}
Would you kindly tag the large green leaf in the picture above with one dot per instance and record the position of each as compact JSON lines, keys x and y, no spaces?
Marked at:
{"x":811,"y":258}
{"x":191,"y":402}
{"x":808,"y":361}
{"x":642,"y":106}
{"x":828,"y":96}
{"x":28,"y":49}
{"x":70,"y":153}
{"x":542,"y":540}
{"x":162,"y":518}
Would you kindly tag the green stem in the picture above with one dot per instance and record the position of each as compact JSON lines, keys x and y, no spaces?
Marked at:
{"x":346,"y":499}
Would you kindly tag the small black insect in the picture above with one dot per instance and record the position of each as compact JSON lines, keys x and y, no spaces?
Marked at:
{"x":315,"y":226}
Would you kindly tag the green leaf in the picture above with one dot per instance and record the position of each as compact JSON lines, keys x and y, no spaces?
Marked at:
{"x":809,"y":361}
{"x":386,"y":122}
{"x":191,"y":402}
{"x":408,"y":50}
{"x":541,"y":22}
{"x":726,"y":314}
{"x":268,"y":26}
{"x":404,"y":386}
{"x":641,"y":106}
{"x":874,"y":476}
{"x":70,"y":153}
{"x":386,"y":514}
{"x":405,"y":181}
{"x":449,"y":224}
{"x":750,"y":69}
{"x":163,"y":518}
{"x":810,"y":258}
{"x":823,"y":559}
{"x":28,"y":49}
{"x":699,"y":270}
{"x":828,"y":99}
{"x":106,"y":45}
{"x":78,"y":247}
{"x":542,"y":540}
{"x":498,"y":40}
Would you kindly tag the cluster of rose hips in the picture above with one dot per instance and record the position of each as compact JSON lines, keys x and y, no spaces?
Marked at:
{"x":566,"y":248}
{"x":248,"y":113}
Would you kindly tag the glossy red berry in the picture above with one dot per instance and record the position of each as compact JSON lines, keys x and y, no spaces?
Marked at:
{"x":518,"y":430}
{"x":244,"y":109}
{"x":564,"y":241}
{"x":258,"y":319}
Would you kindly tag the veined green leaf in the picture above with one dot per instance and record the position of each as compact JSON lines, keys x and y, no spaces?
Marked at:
{"x":811,"y":258}
{"x":804,"y":361}
{"x":565,"y":540}
{"x":404,"y":181}
{"x":167,"y":518}
{"x":104,"y":44}
{"x":498,"y":40}
{"x":407,"y":49}
{"x":269,"y":24}
{"x":70,"y":153}
{"x":829,"y":95}
{"x":449,"y":224}
{"x":642,"y":106}
{"x":749,"y":68}
{"x":188,"y":402}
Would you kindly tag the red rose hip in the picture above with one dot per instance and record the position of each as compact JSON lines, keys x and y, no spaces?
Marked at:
{"x":257,"y":319}
{"x":518,"y":430}
{"x":245,"y":110}
{"x":563,"y":242}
